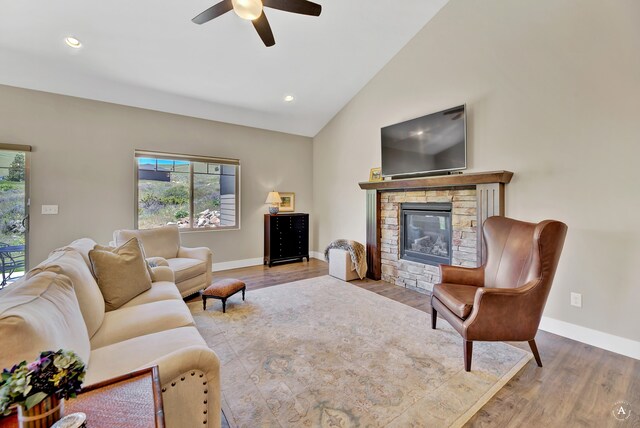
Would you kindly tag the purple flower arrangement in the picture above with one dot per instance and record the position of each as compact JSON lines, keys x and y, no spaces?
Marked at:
{"x":54,"y":373}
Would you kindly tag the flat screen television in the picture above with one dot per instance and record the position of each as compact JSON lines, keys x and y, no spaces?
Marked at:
{"x":429,"y":144}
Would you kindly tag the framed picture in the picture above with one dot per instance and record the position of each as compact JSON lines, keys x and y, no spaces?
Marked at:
{"x":375,"y":174}
{"x":288,"y":204}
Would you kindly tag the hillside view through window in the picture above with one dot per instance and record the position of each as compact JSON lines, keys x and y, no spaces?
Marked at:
{"x":193,"y":194}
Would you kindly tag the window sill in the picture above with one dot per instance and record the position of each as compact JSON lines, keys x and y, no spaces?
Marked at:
{"x":208,"y":229}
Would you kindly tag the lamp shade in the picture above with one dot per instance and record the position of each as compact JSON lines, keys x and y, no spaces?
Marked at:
{"x":273,"y":198}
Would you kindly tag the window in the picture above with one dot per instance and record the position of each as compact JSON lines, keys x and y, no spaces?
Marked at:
{"x":194,"y":192}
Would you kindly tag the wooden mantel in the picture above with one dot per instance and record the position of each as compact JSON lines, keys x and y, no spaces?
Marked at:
{"x":490,"y":200}
{"x":454,"y":180}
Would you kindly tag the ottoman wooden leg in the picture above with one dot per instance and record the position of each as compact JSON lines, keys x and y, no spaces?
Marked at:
{"x":243,"y":293}
{"x":204,"y":303}
{"x":224,"y":306}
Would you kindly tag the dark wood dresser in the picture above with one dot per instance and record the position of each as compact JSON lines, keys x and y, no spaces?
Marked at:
{"x":286,"y":237}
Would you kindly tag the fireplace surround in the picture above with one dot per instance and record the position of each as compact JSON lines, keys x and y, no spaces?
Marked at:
{"x":473,"y":198}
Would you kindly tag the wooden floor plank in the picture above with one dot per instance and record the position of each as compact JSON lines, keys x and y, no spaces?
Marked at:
{"x":578,"y":385}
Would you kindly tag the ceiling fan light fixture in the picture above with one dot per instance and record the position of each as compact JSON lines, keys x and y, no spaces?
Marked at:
{"x":247,"y":9}
{"x":72,"y":42}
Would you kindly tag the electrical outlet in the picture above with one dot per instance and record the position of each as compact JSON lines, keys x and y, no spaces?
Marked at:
{"x":576,"y":300}
{"x":50,"y":209}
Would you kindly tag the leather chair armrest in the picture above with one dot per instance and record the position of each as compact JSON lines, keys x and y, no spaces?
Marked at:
{"x":505,"y":313}
{"x":162,"y":273}
{"x":200,"y":253}
{"x":462,"y":275}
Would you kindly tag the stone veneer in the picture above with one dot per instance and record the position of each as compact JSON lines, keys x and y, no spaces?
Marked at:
{"x":418,"y":276}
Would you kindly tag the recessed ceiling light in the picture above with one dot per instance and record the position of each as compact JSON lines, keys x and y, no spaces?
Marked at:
{"x":72,"y":42}
{"x":419,"y":132}
{"x":289,"y":98}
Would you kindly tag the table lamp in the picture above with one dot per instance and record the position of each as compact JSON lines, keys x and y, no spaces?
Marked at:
{"x":274,"y":199}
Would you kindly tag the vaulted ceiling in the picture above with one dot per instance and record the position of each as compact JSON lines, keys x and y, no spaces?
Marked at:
{"x":149,"y":54}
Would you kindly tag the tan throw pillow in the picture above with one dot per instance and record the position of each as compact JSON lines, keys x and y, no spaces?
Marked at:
{"x":121,"y":272}
{"x":147,"y":261}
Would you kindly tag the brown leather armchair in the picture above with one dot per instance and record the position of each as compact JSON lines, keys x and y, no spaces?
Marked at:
{"x":502,"y":300}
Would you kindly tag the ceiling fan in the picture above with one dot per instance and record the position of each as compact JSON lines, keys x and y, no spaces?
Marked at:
{"x":252,"y":10}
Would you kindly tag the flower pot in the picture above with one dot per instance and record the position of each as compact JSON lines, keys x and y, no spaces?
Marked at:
{"x":42,"y":415}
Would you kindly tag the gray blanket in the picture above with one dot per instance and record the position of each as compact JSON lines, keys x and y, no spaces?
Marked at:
{"x":356,"y":251}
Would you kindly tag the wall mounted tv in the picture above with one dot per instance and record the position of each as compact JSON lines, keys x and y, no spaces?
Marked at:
{"x":435,"y":143}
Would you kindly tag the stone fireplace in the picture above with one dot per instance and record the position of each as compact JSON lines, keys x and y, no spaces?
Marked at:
{"x":416,"y":224}
{"x":422,"y":229}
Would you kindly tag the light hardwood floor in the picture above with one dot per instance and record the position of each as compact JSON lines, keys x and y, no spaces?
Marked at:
{"x":577,"y":387}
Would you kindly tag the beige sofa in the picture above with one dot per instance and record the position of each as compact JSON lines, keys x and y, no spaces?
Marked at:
{"x":191,"y":266}
{"x":59,"y":305}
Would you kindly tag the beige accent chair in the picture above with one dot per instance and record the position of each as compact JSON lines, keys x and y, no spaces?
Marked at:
{"x":191,"y":266}
{"x":58,"y":305}
{"x":341,"y":266}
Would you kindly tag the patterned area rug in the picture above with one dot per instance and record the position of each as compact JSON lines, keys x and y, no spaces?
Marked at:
{"x":325,"y":353}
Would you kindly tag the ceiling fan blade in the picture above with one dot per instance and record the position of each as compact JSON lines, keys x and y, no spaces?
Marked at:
{"x":263,"y":28}
{"x":213,"y":12}
{"x":303,"y":7}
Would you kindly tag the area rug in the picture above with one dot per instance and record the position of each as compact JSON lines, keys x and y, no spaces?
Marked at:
{"x":325,"y":353}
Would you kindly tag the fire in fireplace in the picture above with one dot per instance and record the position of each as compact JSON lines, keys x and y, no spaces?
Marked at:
{"x":425,"y":232}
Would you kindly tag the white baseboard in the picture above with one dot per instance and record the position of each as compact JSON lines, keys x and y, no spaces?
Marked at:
{"x":610,"y":342}
{"x":235,"y":264}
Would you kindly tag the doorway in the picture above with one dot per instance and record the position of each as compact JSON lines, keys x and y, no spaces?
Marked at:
{"x":14,"y":212}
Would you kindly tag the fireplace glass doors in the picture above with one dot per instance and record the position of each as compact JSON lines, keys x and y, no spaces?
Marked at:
{"x":425,"y":233}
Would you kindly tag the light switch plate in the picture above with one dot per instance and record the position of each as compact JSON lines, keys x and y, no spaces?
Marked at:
{"x":49,"y":209}
{"x":576,"y":300}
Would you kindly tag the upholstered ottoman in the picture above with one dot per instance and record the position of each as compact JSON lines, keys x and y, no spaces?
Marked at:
{"x":341,"y":266}
{"x":222,"y":290}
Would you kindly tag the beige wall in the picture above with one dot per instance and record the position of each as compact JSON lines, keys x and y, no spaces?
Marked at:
{"x":83,"y":161}
{"x":553,"y":94}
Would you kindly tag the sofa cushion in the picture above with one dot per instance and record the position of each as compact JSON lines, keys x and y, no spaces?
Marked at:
{"x":122,"y":273}
{"x":82,"y":246}
{"x":70,"y":263}
{"x":134,"y":321}
{"x":159,"y":242}
{"x":129,"y":355}
{"x":185,"y":269}
{"x":159,"y":291}
{"x":458,"y":298}
{"x":38,"y":314}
